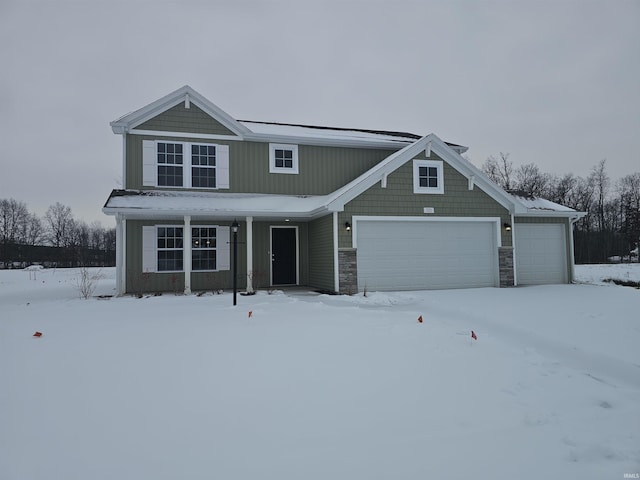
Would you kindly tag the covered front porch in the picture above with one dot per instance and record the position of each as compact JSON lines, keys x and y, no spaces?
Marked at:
{"x":271,"y":253}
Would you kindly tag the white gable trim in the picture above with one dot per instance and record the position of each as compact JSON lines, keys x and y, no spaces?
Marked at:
{"x":199,"y":136}
{"x":394,"y":161}
{"x":132,"y":120}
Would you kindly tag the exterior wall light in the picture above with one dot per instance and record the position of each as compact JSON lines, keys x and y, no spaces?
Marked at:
{"x":507,"y":227}
{"x":347,"y":226}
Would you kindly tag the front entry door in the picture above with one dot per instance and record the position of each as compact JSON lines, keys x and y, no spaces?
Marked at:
{"x":284,"y":266}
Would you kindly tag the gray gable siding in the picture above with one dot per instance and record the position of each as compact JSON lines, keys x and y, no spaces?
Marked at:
{"x":185,"y":120}
{"x":398,"y":199}
{"x":322,"y":169}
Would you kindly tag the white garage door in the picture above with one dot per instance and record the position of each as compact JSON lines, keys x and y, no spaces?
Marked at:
{"x":540,"y":253}
{"x":416,"y":255}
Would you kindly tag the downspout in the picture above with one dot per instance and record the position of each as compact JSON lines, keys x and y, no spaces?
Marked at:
{"x":124,"y":161}
{"x":572,"y":222}
{"x":513,"y":250}
{"x":121,"y":254}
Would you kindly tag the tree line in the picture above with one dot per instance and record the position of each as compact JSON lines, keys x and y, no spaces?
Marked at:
{"x":611,"y":229}
{"x":57,"y":239}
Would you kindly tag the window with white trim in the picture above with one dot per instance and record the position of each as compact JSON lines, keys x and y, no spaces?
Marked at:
{"x":170,"y":161}
{"x":203,"y":248}
{"x":185,"y":164}
{"x":203,"y":166}
{"x":170,"y":249}
{"x":163,"y":248}
{"x":428,"y":176}
{"x":283,"y":158}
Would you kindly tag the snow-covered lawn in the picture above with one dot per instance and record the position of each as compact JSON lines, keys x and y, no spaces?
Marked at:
{"x":320,"y":387}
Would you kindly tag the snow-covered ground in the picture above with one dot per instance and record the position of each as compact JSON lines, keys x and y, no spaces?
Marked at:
{"x":317,"y":387}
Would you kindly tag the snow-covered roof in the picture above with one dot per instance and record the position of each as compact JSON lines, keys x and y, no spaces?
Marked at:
{"x":313,"y":131}
{"x":542,"y":204}
{"x":536,"y":206}
{"x":270,"y":131}
{"x":169,"y":202}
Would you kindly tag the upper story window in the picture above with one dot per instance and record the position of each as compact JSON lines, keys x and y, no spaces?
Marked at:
{"x":283,"y":158}
{"x":170,"y":161}
{"x":428,"y":176}
{"x":185,"y":164}
{"x":203,"y":166}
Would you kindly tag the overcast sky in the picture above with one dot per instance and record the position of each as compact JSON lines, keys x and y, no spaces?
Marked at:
{"x":556,"y":83}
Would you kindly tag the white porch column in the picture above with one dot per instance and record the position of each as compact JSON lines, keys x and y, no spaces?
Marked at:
{"x":186,"y":236}
{"x":336,"y":263}
{"x":249,"y":254}
{"x":119,"y":254}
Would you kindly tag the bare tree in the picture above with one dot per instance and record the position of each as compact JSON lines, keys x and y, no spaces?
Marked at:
{"x":530,"y":180}
{"x":96,"y":236}
{"x":600,"y":181}
{"x":33,"y":230}
{"x":629,"y":190}
{"x":561,"y":189}
{"x":60,"y":224}
{"x":499,"y":170}
{"x":12,"y":215}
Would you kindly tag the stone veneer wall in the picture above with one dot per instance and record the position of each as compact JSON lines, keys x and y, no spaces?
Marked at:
{"x":505,"y":261}
{"x":348,"y":270}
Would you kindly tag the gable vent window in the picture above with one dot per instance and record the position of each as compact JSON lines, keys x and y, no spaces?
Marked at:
{"x":283,"y":158}
{"x":170,"y":164}
{"x":428,"y":176}
{"x":203,"y":166}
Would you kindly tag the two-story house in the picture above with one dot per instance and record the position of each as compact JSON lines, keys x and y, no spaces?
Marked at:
{"x":333,"y":209}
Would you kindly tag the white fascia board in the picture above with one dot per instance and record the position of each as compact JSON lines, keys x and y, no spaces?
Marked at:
{"x":320,"y":141}
{"x":467,"y":169}
{"x":163,"y":104}
{"x":142,"y":213}
{"x":551,"y":213}
{"x":397,"y":159}
{"x":377,"y":173}
{"x":200,"y":136}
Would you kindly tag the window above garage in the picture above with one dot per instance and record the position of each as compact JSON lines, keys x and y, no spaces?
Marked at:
{"x":428,"y":176}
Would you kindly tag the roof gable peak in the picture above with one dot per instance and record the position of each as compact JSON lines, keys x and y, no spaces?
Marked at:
{"x":184,"y":94}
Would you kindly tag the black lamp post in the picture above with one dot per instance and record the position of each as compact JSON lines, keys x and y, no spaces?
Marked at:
{"x":234,"y":229}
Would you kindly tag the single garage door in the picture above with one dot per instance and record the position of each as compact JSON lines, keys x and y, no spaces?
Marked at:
{"x":418,"y":255}
{"x":541,"y":253}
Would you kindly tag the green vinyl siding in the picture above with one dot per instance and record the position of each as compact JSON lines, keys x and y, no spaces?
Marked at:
{"x":321,"y":267}
{"x":398,"y":199}
{"x":185,"y":120}
{"x":139,"y":282}
{"x":322,"y":169}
